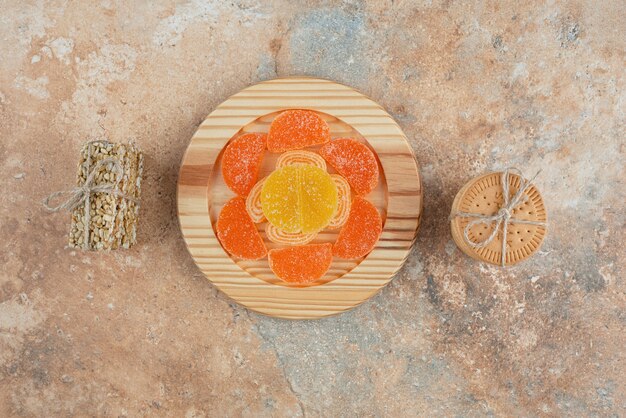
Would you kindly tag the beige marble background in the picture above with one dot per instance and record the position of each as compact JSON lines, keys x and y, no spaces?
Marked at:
{"x":475,"y":85}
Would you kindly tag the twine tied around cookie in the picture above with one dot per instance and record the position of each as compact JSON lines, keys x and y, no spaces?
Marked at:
{"x":503,"y":216}
{"x":81,"y":195}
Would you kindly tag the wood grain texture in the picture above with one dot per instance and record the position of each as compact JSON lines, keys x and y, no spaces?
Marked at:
{"x":201,"y":193}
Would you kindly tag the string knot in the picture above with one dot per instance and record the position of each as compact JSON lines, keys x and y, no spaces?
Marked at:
{"x":504,"y":213}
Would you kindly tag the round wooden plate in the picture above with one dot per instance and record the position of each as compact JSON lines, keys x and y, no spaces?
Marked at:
{"x":202,"y":193}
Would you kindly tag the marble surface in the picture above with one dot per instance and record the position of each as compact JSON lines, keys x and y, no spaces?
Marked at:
{"x":475,"y":85}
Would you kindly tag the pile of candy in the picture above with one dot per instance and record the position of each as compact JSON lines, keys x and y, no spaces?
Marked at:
{"x":299,"y":198}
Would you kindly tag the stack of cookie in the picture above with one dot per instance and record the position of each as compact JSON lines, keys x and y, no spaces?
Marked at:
{"x":479,"y":212}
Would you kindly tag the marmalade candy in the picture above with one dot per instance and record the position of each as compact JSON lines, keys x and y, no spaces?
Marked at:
{"x":297,"y":129}
{"x":301,"y":264}
{"x":318,"y":198}
{"x":237,"y":233}
{"x":299,"y":199}
{"x":242,"y":161}
{"x":280,"y":199}
{"x":360,"y":233}
{"x":354,"y":161}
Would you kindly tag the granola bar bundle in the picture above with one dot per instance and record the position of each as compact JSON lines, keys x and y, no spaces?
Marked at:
{"x":109,"y":175}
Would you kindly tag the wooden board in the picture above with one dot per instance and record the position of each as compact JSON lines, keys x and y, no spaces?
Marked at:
{"x":202,"y":193}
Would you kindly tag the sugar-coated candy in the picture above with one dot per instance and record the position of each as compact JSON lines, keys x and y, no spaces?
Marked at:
{"x":299,"y":198}
{"x":353,"y":160}
{"x":280,"y":198}
{"x":360,"y":233}
{"x":237,"y":233}
{"x":301,"y":264}
{"x":318,"y":198}
{"x":242,"y":161}
{"x":297,"y":129}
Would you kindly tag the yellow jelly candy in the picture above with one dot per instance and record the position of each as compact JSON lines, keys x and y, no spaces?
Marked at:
{"x":280,"y":199}
{"x":318,"y":198}
{"x":299,"y":198}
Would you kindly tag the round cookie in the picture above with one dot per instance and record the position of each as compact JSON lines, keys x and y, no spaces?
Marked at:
{"x":483,"y":195}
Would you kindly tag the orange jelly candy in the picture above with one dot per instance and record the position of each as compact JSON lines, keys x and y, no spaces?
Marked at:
{"x":237,"y":232}
{"x":301,"y":264}
{"x":242,"y":161}
{"x":296,"y":129}
{"x":360,"y":233}
{"x":353,"y":160}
